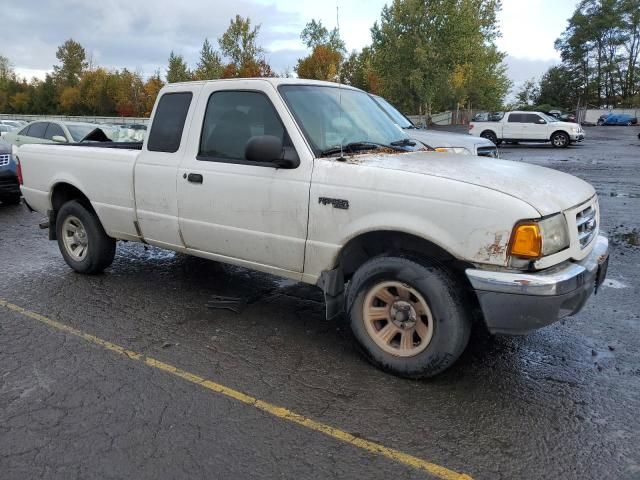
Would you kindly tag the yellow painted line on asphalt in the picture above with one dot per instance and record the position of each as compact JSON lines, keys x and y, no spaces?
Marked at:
{"x":437,"y":471}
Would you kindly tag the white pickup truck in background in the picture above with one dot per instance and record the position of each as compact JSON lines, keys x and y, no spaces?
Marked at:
{"x":528,"y":127}
{"x":313,"y":181}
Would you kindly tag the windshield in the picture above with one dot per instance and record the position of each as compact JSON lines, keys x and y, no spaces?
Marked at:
{"x":396,"y":116}
{"x":333,"y":116}
{"x":78,"y":132}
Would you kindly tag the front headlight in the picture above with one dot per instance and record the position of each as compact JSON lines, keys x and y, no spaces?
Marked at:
{"x":460,"y":150}
{"x":534,"y":239}
{"x":555,"y":234}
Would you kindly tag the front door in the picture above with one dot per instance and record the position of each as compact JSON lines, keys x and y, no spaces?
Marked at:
{"x":234,"y":208}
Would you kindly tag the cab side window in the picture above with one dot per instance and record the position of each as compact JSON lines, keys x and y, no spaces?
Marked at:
{"x":515,"y":118}
{"x":232,"y":118}
{"x":168,"y":122}
{"x":532,"y":118}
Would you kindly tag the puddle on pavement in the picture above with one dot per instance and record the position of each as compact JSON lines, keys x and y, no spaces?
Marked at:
{"x":631,"y":238}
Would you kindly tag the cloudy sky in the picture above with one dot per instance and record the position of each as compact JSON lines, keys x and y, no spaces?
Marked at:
{"x":139,"y":34}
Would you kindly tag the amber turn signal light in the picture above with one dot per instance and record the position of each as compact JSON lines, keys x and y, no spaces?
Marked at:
{"x":526,"y":241}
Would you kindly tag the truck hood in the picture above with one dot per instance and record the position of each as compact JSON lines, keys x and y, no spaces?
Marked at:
{"x":567,"y":125}
{"x":448,"y":139}
{"x":548,"y":191}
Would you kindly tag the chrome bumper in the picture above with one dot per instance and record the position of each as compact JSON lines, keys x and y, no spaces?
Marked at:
{"x":517,"y":303}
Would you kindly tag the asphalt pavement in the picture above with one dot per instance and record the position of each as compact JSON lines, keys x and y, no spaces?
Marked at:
{"x":133,"y":374}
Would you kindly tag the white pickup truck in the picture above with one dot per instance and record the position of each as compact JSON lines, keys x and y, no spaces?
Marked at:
{"x":313,"y":182}
{"x":528,"y":127}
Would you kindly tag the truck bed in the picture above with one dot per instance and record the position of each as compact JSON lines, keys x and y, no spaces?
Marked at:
{"x":104,"y":170}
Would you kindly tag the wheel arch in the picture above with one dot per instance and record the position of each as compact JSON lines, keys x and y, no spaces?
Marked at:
{"x":63,"y":192}
{"x":559,"y":131}
{"x":367,"y":245}
{"x":489,"y":130}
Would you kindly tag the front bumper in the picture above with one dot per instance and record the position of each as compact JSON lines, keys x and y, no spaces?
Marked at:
{"x":518,"y":303}
{"x":577,"y":137}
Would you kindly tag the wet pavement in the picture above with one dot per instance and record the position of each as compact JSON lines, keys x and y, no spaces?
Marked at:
{"x":563,"y":402}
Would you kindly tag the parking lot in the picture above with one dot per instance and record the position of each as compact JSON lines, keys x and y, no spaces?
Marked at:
{"x":132,"y":373}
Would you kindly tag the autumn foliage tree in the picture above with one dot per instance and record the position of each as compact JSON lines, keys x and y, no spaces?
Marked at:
{"x":327,"y":53}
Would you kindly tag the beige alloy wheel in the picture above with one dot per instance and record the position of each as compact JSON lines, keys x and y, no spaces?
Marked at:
{"x":75,"y":238}
{"x":398,"y":319}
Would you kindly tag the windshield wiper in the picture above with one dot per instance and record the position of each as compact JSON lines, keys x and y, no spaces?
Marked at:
{"x":405,"y":142}
{"x":355,"y":146}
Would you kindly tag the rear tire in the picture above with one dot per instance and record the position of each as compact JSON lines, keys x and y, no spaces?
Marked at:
{"x":82,"y":241}
{"x":407,"y":316}
{"x":491,"y":136}
{"x":560,"y":140}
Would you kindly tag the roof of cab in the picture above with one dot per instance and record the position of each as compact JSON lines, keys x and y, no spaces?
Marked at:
{"x":274,"y":81}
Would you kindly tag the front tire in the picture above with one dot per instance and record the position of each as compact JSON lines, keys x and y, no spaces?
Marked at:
{"x":560,"y":140}
{"x":408,"y":317}
{"x":82,"y":241}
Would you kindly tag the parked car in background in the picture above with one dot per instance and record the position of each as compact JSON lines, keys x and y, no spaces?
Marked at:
{"x":50,"y":132}
{"x":619,"y":119}
{"x":488,"y":117}
{"x":13,"y":123}
{"x":567,"y":117}
{"x":528,"y":127}
{"x":439,"y":141}
{"x":9,"y":185}
{"x":6,"y":129}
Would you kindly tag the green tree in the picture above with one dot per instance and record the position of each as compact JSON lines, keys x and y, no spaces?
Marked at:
{"x":328,"y":50}
{"x":357,"y":70}
{"x":210,"y":64}
{"x":315,"y":34}
{"x":527,"y":96}
{"x":434,"y":54}
{"x":177,"y":70}
{"x":72,"y":58}
{"x":239,"y":43}
{"x":43,"y":98}
{"x":601,"y":47}
{"x":558,"y":88}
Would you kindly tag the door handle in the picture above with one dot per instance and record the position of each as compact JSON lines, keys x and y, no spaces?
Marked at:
{"x":194,"y":178}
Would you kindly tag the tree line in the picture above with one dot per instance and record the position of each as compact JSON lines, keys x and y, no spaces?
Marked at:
{"x":425,"y":55}
{"x":600,"y":50}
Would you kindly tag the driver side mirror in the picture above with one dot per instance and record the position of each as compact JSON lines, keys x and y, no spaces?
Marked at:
{"x":542,"y":121}
{"x":269,"y":149}
{"x":59,"y":139}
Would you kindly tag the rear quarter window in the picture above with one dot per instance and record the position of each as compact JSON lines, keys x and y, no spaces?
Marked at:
{"x":168,"y":122}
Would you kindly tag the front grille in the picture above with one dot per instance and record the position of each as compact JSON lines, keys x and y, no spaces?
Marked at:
{"x":487,"y":152}
{"x":587,"y":224}
{"x":4,"y":159}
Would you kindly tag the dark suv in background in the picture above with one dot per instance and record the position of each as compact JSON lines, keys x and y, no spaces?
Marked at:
{"x":9,"y":187}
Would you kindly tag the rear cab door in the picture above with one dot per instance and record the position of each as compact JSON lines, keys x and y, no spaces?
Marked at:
{"x":156,"y":168}
{"x":512,"y":126}
{"x":235,"y":210}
